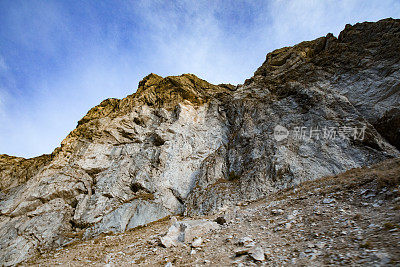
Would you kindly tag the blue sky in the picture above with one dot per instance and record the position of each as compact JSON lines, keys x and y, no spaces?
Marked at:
{"x":60,"y":58}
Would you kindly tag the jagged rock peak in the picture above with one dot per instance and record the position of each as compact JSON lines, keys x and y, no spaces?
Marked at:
{"x":149,"y":80}
{"x":377,"y":31}
{"x":154,"y":83}
{"x":308,"y":61}
{"x":105,"y":108}
{"x":154,"y":90}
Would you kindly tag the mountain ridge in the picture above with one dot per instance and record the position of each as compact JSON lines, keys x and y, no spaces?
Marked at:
{"x":275,"y":58}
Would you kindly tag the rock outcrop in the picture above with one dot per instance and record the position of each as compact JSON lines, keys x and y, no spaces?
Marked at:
{"x":15,"y":171}
{"x":181,"y":145}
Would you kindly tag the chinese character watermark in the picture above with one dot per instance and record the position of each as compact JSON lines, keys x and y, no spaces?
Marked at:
{"x":305,"y":133}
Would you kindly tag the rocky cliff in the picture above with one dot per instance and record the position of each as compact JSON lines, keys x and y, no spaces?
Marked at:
{"x":181,"y":145}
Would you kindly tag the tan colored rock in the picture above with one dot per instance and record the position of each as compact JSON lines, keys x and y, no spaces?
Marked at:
{"x":15,"y":170}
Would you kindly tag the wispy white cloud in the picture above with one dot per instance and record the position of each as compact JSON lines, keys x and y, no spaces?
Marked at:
{"x":3,"y":65}
{"x":72,"y":56}
{"x":2,"y":103}
{"x":3,"y":68}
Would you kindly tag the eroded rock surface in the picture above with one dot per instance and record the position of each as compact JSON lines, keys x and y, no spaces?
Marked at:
{"x":357,"y":226}
{"x":181,"y":145}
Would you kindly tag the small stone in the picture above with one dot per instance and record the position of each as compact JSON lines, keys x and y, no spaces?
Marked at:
{"x":359,"y":237}
{"x":245,"y":241}
{"x":241,"y":251}
{"x":220,"y":220}
{"x":302,"y":255}
{"x":197,"y":242}
{"x":370,"y":195}
{"x":317,"y":212}
{"x":328,"y":200}
{"x":257,"y":253}
{"x":186,"y":231}
{"x":277,"y":212}
{"x":167,"y":242}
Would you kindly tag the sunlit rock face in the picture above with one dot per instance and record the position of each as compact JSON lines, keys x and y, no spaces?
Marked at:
{"x":181,"y":145}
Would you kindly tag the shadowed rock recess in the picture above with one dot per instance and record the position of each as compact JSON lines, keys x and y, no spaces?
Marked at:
{"x":181,"y":145}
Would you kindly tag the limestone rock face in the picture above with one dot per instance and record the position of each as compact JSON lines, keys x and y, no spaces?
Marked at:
{"x":329,"y":83}
{"x":128,"y":163}
{"x":361,"y":64}
{"x":181,"y":145}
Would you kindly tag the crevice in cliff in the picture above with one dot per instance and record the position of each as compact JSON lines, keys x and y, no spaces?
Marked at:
{"x":389,"y":127}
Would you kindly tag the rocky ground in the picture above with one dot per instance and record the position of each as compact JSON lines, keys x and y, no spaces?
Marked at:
{"x":349,"y":219}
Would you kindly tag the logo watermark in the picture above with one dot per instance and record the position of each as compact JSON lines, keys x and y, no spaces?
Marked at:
{"x":305,"y":133}
{"x":280,"y":133}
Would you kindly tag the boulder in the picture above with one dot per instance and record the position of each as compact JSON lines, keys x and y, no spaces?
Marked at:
{"x":188,"y":231}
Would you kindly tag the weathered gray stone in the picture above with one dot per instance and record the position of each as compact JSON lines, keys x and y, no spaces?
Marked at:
{"x":257,"y":253}
{"x":188,"y":231}
{"x":197,"y":242}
